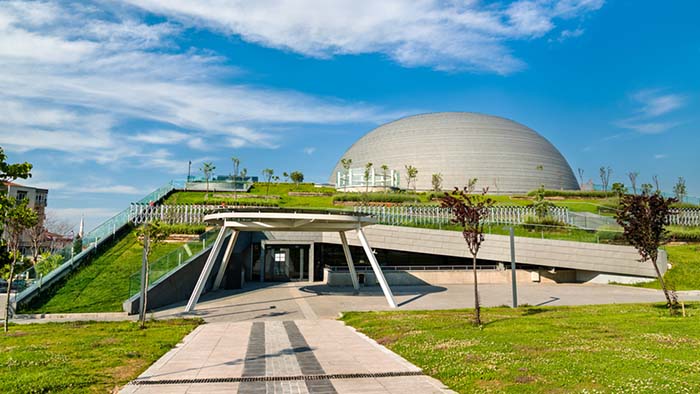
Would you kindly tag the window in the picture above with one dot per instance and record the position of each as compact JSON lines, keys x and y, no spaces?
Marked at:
{"x":279,"y":257}
{"x":21,"y":194}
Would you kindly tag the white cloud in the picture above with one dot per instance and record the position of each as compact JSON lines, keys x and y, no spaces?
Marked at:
{"x":652,"y":111}
{"x":464,"y":35}
{"x":659,"y":156}
{"x":309,"y":150}
{"x":109,"y":68}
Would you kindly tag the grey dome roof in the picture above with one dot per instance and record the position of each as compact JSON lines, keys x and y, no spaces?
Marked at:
{"x":503,"y":155}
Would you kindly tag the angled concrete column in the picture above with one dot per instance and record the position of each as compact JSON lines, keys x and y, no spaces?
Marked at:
{"x":376,"y":268}
{"x":348,"y":259}
{"x":225,"y":261}
{"x":311,"y":263}
{"x":202,"y":281}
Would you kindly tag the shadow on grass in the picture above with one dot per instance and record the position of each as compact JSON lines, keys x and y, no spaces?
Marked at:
{"x":535,"y":311}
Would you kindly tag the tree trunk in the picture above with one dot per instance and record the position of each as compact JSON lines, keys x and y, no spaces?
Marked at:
{"x":663,"y":284}
{"x":477,"y":308}
{"x":9,"y":288}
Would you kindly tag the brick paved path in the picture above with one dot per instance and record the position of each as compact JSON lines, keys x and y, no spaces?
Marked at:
{"x":303,"y":356}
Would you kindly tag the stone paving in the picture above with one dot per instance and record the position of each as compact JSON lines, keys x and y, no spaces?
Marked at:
{"x":304,"y":356}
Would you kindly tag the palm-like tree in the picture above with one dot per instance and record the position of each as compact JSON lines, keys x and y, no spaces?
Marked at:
{"x":236,"y":163}
{"x":207,"y":169}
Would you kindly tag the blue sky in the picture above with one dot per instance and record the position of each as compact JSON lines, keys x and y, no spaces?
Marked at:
{"x":111,"y":99}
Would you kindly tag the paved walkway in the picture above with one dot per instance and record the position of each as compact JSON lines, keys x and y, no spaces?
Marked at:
{"x":302,"y":356}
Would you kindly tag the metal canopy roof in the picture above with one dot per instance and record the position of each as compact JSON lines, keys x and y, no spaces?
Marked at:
{"x":274,"y":220}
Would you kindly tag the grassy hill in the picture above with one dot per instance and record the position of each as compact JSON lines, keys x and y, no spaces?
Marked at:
{"x":103,"y":284}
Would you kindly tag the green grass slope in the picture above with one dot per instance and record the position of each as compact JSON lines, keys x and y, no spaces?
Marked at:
{"x":103,"y":284}
{"x":685,"y":271}
{"x":584,"y":349}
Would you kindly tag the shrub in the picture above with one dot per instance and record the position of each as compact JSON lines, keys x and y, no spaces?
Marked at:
{"x":687,"y":234}
{"x":375,"y":197}
{"x":546,"y":223}
{"x":183,"y":228}
{"x":573,"y":193}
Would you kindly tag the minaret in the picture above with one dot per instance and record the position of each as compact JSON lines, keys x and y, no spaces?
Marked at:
{"x":82,"y":226}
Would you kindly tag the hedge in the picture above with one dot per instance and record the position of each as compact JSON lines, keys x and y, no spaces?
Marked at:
{"x":573,"y":193}
{"x":375,"y":197}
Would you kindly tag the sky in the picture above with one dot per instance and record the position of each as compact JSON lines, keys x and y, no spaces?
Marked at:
{"x":111,"y":99}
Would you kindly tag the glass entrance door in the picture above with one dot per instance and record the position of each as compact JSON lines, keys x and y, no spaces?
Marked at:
{"x":286,"y":263}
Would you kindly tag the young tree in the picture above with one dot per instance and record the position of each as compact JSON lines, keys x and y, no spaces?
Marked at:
{"x":285,"y":175}
{"x":37,"y":235}
{"x":580,"y":176}
{"x":643,"y":219}
{"x":297,"y":177}
{"x":437,"y":182}
{"x":18,"y":217}
{"x":236,"y":163}
{"x":385,"y":171}
{"x":469,"y":210}
{"x":366,"y":175}
{"x":679,"y":189}
{"x":605,"y":173}
{"x":655,"y":178}
{"x":150,"y":235}
{"x":542,"y":206}
{"x":647,"y":188}
{"x":411,"y":175}
{"x":619,"y":189}
{"x":207,"y":169}
{"x":268,"y":173}
{"x":244,"y":175}
{"x":632,"y":175}
{"x":346,"y":163}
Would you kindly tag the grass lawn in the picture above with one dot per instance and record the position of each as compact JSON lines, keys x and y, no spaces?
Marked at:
{"x":685,"y":271}
{"x":83,"y":357}
{"x":587,"y":349}
{"x":101,"y":285}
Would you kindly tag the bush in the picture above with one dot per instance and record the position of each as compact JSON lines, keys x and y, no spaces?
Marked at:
{"x":183,"y":228}
{"x":687,"y":234}
{"x":546,"y":223}
{"x":375,"y":197}
{"x":573,"y":193}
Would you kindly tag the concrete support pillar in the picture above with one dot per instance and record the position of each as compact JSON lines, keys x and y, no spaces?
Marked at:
{"x":202,"y":281}
{"x":311,"y":263}
{"x":225,"y":261}
{"x":376,"y":268}
{"x":348,"y":259}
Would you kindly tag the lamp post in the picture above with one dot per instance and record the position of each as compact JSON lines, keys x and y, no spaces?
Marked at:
{"x":189,"y":171}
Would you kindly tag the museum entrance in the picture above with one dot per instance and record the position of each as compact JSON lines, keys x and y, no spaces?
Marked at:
{"x":286,"y":263}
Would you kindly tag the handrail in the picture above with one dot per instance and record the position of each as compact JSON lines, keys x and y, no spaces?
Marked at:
{"x":91,"y":241}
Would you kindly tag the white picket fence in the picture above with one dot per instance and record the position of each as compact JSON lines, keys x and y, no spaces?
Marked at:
{"x":172,"y":214}
{"x":434,"y":215}
{"x":685,"y":217}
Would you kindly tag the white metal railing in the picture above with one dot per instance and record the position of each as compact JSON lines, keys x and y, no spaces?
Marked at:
{"x":341,"y":268}
{"x":685,"y":217}
{"x":355,"y":177}
{"x":435,"y":215}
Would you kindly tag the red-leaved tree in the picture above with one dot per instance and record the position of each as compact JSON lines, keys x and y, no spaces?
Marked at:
{"x":469,"y":210}
{"x":644,"y":218}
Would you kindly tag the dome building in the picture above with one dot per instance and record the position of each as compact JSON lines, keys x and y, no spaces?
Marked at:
{"x":503,"y":155}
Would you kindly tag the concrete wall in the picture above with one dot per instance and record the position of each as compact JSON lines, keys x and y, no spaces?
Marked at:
{"x":601,"y":258}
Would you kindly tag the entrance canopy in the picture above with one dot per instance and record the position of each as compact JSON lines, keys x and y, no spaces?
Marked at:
{"x":261,"y":220}
{"x":279,"y":220}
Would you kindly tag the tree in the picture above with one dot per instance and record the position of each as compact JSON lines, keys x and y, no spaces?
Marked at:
{"x":580,"y":177}
{"x":655,"y":178}
{"x":366,"y":175}
{"x":346,"y":163}
{"x":679,"y":189}
{"x":643,"y":219}
{"x":542,"y":206}
{"x":236,"y":163}
{"x":411,"y":175}
{"x":619,"y":189}
{"x":469,"y":210}
{"x":605,"y":173}
{"x":268,"y":173}
{"x":207,"y":169}
{"x":632,"y":175}
{"x":285,"y":175}
{"x":47,"y":262}
{"x":437,"y":182}
{"x":150,"y":235}
{"x":37,"y":234}
{"x":385,"y":171}
{"x":18,"y":217}
{"x":297,"y":177}
{"x":647,"y":188}
{"x":244,"y":175}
